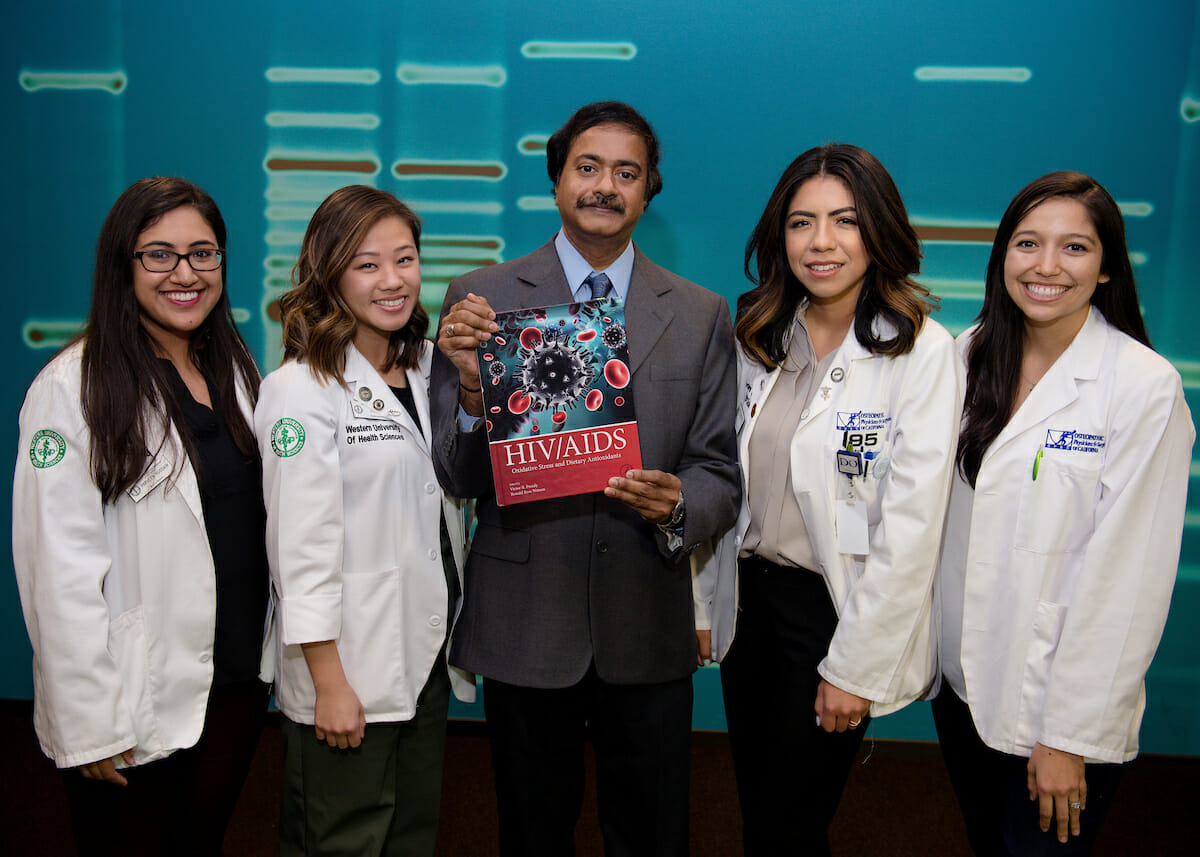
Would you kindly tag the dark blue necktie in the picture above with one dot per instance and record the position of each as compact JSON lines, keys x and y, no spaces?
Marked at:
{"x":599,"y":283}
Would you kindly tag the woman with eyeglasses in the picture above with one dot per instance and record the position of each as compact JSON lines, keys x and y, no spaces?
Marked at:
{"x":138,"y":538}
{"x":1063,"y":534}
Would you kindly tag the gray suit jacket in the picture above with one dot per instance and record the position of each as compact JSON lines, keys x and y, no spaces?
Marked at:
{"x":553,"y":585}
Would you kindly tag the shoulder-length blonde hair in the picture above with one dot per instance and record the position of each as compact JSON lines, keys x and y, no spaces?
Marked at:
{"x":317,"y":323}
{"x":765,"y":313}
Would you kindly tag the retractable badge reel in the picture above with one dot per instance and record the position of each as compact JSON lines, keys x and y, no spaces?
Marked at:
{"x":851,"y":512}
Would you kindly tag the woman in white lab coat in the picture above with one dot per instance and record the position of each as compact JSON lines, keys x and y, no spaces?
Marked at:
{"x":138,"y":538}
{"x":365,"y":551}
{"x":849,"y":399}
{"x":1063,"y":536}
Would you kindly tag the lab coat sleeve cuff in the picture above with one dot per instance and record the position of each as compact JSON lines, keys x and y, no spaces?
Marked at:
{"x":310,"y":619}
{"x":73,"y":759}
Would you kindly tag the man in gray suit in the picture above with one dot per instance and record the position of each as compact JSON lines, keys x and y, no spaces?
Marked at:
{"x":578,"y":611}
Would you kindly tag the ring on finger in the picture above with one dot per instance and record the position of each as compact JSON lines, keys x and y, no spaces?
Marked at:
{"x":853,"y":724}
{"x":1074,"y":804}
{"x":449,"y":330}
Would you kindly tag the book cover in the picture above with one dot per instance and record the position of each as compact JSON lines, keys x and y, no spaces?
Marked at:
{"x":557,"y":402}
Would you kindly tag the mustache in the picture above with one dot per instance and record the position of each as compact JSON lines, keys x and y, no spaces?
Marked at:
{"x":600,"y":200}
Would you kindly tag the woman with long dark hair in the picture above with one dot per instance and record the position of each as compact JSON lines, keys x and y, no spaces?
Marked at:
{"x":849,"y":401}
{"x":365,"y":550}
{"x":1063,"y":535}
{"x":138,"y":542}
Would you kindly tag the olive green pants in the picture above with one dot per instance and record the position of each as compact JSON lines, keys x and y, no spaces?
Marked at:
{"x":379,"y":799}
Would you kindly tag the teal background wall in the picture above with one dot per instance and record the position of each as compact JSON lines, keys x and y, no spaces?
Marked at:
{"x":271,"y":105}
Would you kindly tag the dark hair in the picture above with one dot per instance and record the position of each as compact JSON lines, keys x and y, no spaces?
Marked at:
{"x":604,"y":113}
{"x":318,"y":325}
{"x":994,"y":355}
{"x":765,"y":313}
{"x":124,"y":384}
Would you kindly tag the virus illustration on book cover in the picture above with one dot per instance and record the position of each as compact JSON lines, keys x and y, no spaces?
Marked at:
{"x":557,"y":368}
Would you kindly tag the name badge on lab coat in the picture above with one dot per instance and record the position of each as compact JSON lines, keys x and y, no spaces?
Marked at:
{"x":155,"y":473}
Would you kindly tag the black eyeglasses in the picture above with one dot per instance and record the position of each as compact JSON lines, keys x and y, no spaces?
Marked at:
{"x":159,"y":261}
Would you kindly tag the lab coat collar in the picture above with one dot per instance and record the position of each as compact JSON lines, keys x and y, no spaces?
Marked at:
{"x":359,"y":373}
{"x":848,"y":353}
{"x":851,"y":349}
{"x":1058,"y":388}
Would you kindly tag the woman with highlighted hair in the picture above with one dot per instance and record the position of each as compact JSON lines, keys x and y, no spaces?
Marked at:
{"x":365,"y":550}
{"x":138,"y":544}
{"x":848,"y":411}
{"x":1063,"y":535}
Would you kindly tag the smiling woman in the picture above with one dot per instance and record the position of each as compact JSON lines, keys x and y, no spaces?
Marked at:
{"x":365,"y":551}
{"x":176,"y":300}
{"x":1063,"y":533}
{"x":138,"y":538}
{"x":824,"y":587}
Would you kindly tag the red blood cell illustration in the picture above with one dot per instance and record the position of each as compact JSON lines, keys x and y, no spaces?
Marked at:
{"x":533,"y":429}
{"x":489,"y":357}
{"x":559,"y":417}
{"x":519,"y":402}
{"x":531,"y":337}
{"x":594,"y":400}
{"x":495,"y":382}
{"x":499,"y":339}
{"x":616,"y":373}
{"x":489,"y":424}
{"x":619,"y":401}
{"x":586,"y":335}
{"x":495,"y":409}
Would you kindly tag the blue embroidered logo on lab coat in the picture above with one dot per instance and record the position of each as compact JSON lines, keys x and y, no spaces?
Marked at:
{"x":1073,"y":440}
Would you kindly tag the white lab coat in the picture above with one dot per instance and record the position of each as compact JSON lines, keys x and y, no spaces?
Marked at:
{"x":353,"y":536}
{"x":119,"y":600}
{"x":1058,"y":587}
{"x":883,"y":648}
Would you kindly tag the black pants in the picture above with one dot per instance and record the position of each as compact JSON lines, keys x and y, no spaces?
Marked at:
{"x":992,"y":791}
{"x":179,"y":805}
{"x":642,"y":739}
{"x":790,"y":772}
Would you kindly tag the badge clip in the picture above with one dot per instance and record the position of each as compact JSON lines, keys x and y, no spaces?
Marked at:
{"x":849,"y":462}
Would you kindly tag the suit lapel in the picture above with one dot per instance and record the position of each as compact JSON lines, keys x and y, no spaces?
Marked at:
{"x":647,"y":311}
{"x":542,"y":275}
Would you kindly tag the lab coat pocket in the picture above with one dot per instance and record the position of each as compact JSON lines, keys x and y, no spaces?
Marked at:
{"x":130,"y":649}
{"x":1058,"y":507}
{"x":371,"y":643}
{"x":1048,"y":620}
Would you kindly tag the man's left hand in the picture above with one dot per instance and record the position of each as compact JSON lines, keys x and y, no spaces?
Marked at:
{"x":651,"y":493}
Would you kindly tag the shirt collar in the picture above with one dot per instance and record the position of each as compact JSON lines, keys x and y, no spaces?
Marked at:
{"x":577,"y":269}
